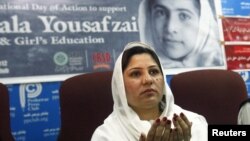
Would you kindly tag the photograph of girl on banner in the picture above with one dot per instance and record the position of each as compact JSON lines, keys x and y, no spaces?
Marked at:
{"x":184,"y":34}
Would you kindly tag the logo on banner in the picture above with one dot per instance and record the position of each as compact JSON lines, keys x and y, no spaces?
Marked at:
{"x":29,"y":91}
{"x":4,"y":67}
{"x":101,"y":60}
{"x":61,"y":58}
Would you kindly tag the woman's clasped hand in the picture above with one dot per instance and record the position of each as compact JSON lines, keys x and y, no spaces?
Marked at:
{"x":161,"y":129}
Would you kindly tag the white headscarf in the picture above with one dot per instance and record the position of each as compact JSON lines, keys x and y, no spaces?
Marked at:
{"x":125,"y":124}
{"x":207,"y":51}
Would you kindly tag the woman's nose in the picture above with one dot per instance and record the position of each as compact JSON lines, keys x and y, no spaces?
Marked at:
{"x":170,"y":25}
{"x":147,"y":79}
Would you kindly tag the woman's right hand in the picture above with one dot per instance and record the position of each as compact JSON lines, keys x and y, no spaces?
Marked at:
{"x":160,"y":131}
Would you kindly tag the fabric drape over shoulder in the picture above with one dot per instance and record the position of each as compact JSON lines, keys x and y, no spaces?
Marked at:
{"x":244,"y":113}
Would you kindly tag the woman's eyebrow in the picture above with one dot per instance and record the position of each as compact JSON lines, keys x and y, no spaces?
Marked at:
{"x":138,"y":68}
{"x":159,"y":6}
{"x":186,"y":11}
{"x":177,"y":9}
{"x":153,"y":66}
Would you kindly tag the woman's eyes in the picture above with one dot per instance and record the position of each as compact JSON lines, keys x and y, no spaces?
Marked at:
{"x":135,"y":74}
{"x":159,"y":12}
{"x":151,"y":72}
{"x":154,"y":72}
{"x":184,"y":16}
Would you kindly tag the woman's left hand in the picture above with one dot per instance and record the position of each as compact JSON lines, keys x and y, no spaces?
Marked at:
{"x":182,"y":128}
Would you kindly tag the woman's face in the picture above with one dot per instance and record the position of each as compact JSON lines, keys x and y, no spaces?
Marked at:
{"x":143,"y":82}
{"x":176,"y":25}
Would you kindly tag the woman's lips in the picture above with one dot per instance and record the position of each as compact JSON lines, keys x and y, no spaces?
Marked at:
{"x":148,"y":91}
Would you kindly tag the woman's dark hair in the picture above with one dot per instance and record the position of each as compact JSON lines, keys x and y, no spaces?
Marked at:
{"x":138,"y":50}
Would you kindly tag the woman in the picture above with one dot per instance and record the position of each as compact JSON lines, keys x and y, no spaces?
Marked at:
{"x":144,"y":106}
{"x":184,"y":33}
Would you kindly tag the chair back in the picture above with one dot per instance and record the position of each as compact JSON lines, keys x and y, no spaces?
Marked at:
{"x":215,"y":94}
{"x":5,"y":126}
{"x":85,"y":101}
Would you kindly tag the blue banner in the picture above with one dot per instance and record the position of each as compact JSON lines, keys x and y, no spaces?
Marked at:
{"x":35,"y":113}
{"x":246,"y":77}
{"x":235,"y":7}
